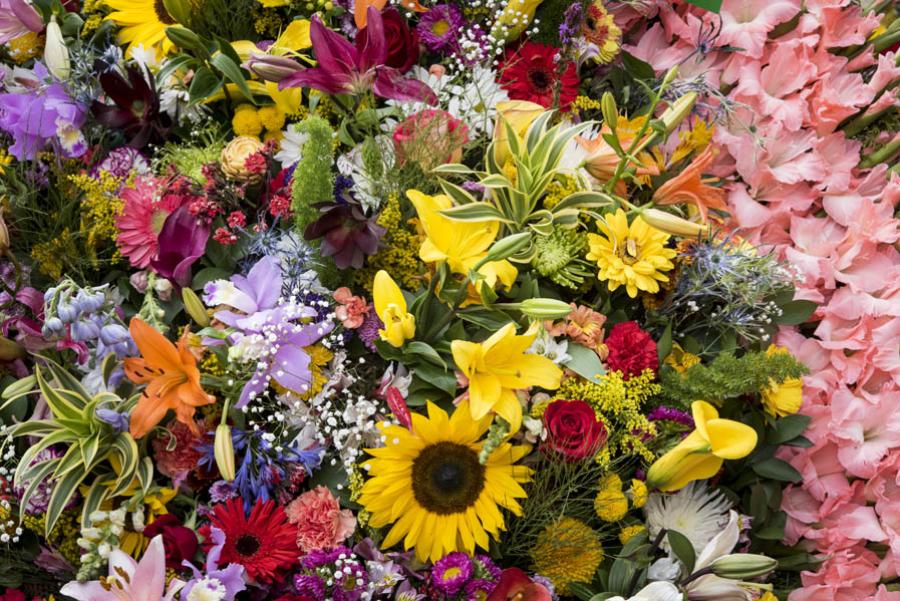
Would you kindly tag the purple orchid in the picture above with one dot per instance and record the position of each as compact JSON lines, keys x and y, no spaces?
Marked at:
{"x":223,"y":582}
{"x":267,"y":329}
{"x":17,"y":18}
{"x":182,"y":242}
{"x":347,"y":69}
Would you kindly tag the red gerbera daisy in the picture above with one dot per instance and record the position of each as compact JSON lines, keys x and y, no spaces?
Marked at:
{"x":532,"y":72}
{"x":263,"y":542}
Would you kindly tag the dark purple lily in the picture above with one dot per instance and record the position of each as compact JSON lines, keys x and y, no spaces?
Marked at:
{"x":347,"y":69}
{"x":182,"y":241}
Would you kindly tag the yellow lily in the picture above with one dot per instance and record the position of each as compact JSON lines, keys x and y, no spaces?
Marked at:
{"x":785,"y":398}
{"x":399,"y":324}
{"x":462,"y":244}
{"x":499,"y":366}
{"x":519,"y":114}
{"x":701,"y":454}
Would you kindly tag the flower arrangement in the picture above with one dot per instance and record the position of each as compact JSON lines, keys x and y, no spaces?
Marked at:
{"x":460,"y":301}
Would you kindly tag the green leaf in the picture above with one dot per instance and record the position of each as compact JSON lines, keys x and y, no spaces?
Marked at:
{"x":788,"y":428}
{"x":183,"y":37}
{"x":62,"y":494}
{"x":145,"y":474}
{"x":776,"y":469}
{"x":204,"y":84}
{"x":585,"y":363}
{"x":36,"y":477}
{"x":620,"y":575}
{"x":796,"y":312}
{"x":582,"y":591}
{"x":232,"y":72}
{"x":460,"y":195}
{"x":489,"y":320}
{"x":664,"y":346}
{"x":711,"y":5}
{"x":442,"y":379}
{"x":182,"y":61}
{"x":427,"y":352}
{"x":583,"y":200}
{"x":774,"y":529}
{"x":477,"y":211}
{"x":452,"y":169}
{"x":95,"y":496}
{"x":127,"y":449}
{"x":682,"y":548}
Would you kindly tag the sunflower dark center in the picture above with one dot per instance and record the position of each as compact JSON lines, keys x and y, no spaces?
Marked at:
{"x":539,"y":79}
{"x":161,"y":13}
{"x":447,"y":478}
{"x":247,"y":544}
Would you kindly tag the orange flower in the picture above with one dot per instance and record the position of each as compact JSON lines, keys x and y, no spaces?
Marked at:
{"x":171,"y":376}
{"x":689,"y":187}
{"x":601,"y":160}
{"x":361,"y":9}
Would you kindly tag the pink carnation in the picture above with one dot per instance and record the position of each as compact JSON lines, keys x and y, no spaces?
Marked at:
{"x":321,"y":523}
{"x":351,"y":310}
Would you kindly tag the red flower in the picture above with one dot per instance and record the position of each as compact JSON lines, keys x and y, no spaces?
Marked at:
{"x":514,"y":584}
{"x":573,"y":429}
{"x":263,"y":542}
{"x":533,"y":72}
{"x":631,"y":350}
{"x":180,"y":542}
{"x":402,"y":42}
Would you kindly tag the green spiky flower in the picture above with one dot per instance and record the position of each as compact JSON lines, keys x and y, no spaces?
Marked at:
{"x":559,"y":257}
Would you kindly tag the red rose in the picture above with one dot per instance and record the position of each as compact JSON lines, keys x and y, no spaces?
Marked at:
{"x":403,"y":42}
{"x":573,"y":429}
{"x":631,"y":350}
{"x":180,"y":542}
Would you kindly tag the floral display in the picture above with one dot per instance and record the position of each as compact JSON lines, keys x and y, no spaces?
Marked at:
{"x":406,"y":300}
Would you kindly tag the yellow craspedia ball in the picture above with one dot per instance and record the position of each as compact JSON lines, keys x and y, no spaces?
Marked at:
{"x":638,"y":493}
{"x":246,"y":122}
{"x":611,"y":504}
{"x":271,"y":117}
{"x":275,"y":136}
{"x":567,"y":551}
{"x":629,"y":532}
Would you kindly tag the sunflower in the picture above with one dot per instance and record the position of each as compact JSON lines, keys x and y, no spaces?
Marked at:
{"x":429,"y":482}
{"x":142,"y":23}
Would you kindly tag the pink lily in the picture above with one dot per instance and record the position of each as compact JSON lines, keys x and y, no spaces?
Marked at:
{"x":347,"y":69}
{"x":129,"y":580}
{"x":17,"y":18}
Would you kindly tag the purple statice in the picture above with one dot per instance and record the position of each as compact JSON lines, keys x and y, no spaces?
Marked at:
{"x":451,"y":573}
{"x":266,"y":330}
{"x":671,"y":414}
{"x":570,"y":28}
{"x":479,"y":589}
{"x":221,"y":583}
{"x":39,"y":111}
{"x":368,"y":331}
{"x":439,"y":28}
{"x":122,"y":162}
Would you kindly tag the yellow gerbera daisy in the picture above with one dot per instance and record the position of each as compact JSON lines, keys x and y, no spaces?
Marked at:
{"x":633,"y":256}
{"x":142,"y":23}
{"x":428,"y":482}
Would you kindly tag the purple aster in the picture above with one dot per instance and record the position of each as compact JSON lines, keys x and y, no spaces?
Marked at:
{"x":450,"y":574}
{"x":439,"y":28}
{"x":671,"y":414}
{"x":479,"y":589}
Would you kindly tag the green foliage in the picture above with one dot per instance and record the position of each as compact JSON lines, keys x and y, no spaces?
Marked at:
{"x":224,"y":18}
{"x":313,"y":177}
{"x":728,"y":376}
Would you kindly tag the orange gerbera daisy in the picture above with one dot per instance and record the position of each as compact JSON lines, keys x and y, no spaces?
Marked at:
{"x":171,"y":376}
{"x":689,"y":187}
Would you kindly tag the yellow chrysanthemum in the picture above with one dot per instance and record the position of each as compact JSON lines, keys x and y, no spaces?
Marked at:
{"x":633,"y":255}
{"x":785,"y":398}
{"x":610,"y":504}
{"x":629,"y":532}
{"x":429,"y":483}
{"x":246,"y":123}
{"x":142,"y":23}
{"x":272,"y":118}
{"x":567,"y":551}
{"x":638,"y":493}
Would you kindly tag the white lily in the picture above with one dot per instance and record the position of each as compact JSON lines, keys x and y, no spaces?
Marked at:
{"x":655,"y":591}
{"x":711,"y":587}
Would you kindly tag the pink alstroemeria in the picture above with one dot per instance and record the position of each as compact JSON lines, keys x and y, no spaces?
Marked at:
{"x":17,"y":18}
{"x":347,"y":69}
{"x":129,"y":580}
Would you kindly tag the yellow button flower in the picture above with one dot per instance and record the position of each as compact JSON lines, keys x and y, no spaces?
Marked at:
{"x":499,"y":366}
{"x":462,"y":244}
{"x":701,"y":454}
{"x":399,"y":324}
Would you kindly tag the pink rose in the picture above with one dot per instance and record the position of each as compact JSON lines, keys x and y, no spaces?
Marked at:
{"x":351,"y":310}
{"x":321,"y":523}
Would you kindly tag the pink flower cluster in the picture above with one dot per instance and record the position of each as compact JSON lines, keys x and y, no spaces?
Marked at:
{"x":794,"y":184}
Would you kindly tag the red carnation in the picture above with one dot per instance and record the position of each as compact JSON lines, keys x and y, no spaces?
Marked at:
{"x":180,"y":542}
{"x":573,"y":429}
{"x":631,"y":350}
{"x":533,"y":72}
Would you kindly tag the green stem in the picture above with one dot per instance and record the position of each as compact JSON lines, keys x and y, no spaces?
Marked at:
{"x":881,"y":155}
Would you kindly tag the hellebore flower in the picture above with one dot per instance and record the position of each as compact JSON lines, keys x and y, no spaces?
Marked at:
{"x":347,"y":69}
{"x":136,"y":109}
{"x":399,"y":324}
{"x":349,"y":236}
{"x":181,"y":242}
{"x":701,"y":454}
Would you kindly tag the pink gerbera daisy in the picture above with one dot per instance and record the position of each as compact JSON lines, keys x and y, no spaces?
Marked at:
{"x":142,"y":218}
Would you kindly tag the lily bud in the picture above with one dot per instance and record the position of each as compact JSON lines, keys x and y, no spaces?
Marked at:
{"x":223,"y":451}
{"x":4,"y":235}
{"x":545,"y":308}
{"x":194,"y":307}
{"x":19,"y":387}
{"x":609,"y":110}
{"x":743,"y":565}
{"x":678,"y":111}
{"x":56,"y":54}
{"x":673,"y":224}
{"x":11,"y":350}
{"x":271,"y":68}
{"x":508,"y":246}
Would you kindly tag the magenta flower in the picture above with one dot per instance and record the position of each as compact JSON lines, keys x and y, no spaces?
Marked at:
{"x":347,"y":69}
{"x":182,"y":242}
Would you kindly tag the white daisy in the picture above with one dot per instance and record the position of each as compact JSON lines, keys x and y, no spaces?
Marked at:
{"x":475,"y":99}
{"x":291,"y":146}
{"x":695,"y":511}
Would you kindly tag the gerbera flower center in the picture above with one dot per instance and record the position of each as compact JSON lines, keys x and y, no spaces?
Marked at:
{"x":162,"y":14}
{"x":247,"y":544}
{"x":539,"y":79}
{"x":447,"y":478}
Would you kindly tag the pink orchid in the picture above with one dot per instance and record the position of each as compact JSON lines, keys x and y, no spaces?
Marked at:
{"x":347,"y":69}
{"x":129,"y":580}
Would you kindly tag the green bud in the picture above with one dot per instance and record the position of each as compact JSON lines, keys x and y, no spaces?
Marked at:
{"x":507,"y":247}
{"x":678,"y":111}
{"x":673,"y":224}
{"x":179,"y":10}
{"x":610,"y":110}
{"x":194,"y":307}
{"x":545,"y":308}
{"x":18,"y":388}
{"x":742,"y":565}
{"x":184,"y":38}
{"x":10,"y":350}
{"x":223,"y":451}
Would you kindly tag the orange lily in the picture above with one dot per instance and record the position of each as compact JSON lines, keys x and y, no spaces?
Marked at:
{"x":361,"y":9}
{"x":171,"y":376}
{"x":689,"y":187}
